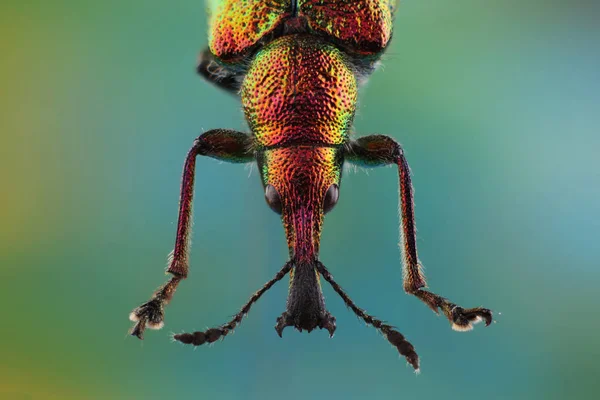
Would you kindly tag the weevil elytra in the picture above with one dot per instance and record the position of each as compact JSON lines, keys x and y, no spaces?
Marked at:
{"x":296,"y":65}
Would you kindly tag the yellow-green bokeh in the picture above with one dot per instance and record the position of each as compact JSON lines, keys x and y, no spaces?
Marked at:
{"x":497,"y":105}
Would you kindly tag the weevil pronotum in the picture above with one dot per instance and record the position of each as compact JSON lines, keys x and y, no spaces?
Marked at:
{"x":297,"y":65}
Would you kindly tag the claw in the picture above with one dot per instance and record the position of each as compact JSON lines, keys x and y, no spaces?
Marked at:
{"x":487,"y":316}
{"x":148,"y":315}
{"x":138,"y":329}
{"x":463,"y":320}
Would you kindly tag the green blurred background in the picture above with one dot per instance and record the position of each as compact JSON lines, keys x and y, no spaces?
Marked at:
{"x":498,"y":107}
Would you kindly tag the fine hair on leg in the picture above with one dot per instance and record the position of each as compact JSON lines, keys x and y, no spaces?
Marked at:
{"x":221,"y":144}
{"x":379,"y":150}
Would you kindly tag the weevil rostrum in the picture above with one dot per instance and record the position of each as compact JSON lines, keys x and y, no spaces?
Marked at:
{"x":297,"y":66}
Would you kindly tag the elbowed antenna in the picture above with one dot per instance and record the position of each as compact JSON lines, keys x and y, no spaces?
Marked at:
{"x":404,"y":347}
{"x":211,"y":335}
{"x":302,"y":185}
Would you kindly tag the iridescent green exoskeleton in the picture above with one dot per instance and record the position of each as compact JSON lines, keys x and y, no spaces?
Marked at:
{"x":297,"y":66}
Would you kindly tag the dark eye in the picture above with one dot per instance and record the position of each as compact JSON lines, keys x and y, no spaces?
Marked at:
{"x":331,"y":198}
{"x":273,"y":199}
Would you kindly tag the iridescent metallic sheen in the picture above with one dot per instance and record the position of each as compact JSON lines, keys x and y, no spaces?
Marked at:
{"x":301,"y":175}
{"x":295,"y":65}
{"x":237,"y":26}
{"x":299,"y":90}
{"x":361,"y":27}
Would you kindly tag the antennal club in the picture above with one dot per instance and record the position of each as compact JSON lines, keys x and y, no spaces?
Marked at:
{"x":405,"y":348}
{"x":213,"y":334}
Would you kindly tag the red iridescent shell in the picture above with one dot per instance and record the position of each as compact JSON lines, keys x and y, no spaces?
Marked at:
{"x":236,"y":26}
{"x":362,"y":27}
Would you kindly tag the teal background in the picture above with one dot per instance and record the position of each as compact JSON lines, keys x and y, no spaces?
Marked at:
{"x":497,"y":106}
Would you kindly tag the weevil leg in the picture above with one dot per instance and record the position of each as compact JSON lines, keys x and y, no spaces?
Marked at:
{"x":378,"y":150}
{"x":404,"y":347}
{"x":213,"y":334}
{"x":224,"y":77}
{"x":222,"y":144}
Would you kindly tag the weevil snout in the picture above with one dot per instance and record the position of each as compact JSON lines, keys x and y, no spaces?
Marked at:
{"x":302,"y":184}
{"x":305,"y":308}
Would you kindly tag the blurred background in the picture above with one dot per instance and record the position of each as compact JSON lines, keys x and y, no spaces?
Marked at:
{"x":497,"y":105}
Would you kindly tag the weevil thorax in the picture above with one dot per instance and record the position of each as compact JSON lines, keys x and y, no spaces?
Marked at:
{"x":299,"y":90}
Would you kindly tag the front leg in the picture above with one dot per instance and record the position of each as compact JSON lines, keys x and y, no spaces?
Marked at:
{"x":378,"y":150}
{"x":222,"y":144}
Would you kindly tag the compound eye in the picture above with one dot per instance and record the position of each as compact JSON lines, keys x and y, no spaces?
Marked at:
{"x":273,"y":199}
{"x":331,"y":198}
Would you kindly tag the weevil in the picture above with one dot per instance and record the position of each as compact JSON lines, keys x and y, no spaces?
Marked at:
{"x":297,"y":66}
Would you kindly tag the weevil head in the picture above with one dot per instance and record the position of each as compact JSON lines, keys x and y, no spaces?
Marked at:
{"x":302,"y":184}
